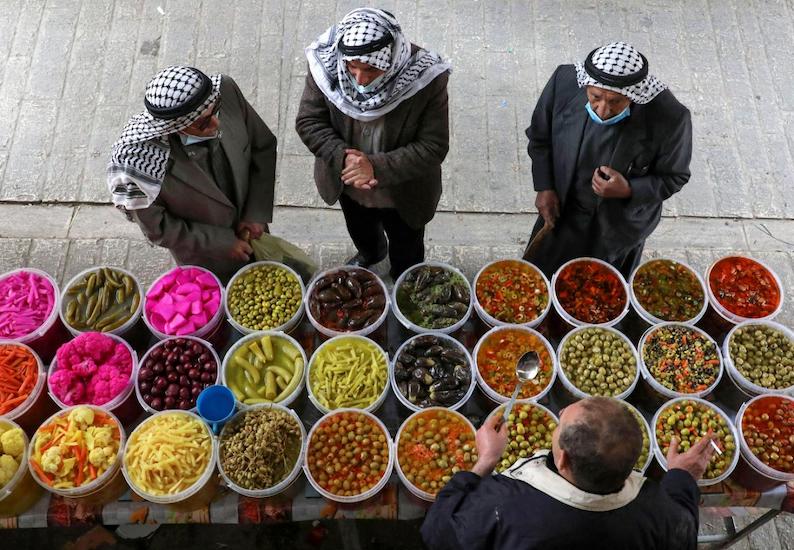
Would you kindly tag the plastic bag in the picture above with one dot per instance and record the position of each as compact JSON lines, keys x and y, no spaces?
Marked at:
{"x":275,"y":249}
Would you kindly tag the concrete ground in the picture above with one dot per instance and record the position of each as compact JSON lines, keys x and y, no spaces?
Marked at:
{"x":73,"y":71}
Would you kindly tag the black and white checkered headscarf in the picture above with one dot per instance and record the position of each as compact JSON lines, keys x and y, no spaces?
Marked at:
{"x":175,"y":98}
{"x":374,"y":37}
{"x":621,"y":68}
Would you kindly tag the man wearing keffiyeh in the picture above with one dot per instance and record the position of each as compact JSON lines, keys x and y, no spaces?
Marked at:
{"x":374,"y":114}
{"x":609,"y":143}
{"x":196,"y":169}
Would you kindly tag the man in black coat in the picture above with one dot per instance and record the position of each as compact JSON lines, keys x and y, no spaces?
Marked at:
{"x":609,"y":143}
{"x":583,"y":494}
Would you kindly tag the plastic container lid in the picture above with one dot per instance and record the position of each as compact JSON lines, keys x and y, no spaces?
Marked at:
{"x":197,"y":486}
{"x":469,"y":361}
{"x":407,"y":323}
{"x":395,"y":451}
{"x":286,"y":327}
{"x":12,"y":483}
{"x":497,"y":397}
{"x":570,"y":319}
{"x":76,"y":279}
{"x":653,"y":320}
{"x":647,"y":429}
{"x":116,"y":401}
{"x":282,"y":485}
{"x":733,"y":371}
{"x":159,"y":344}
{"x":662,"y":460}
{"x":660,"y":388}
{"x":256,"y":336}
{"x":487,"y":318}
{"x":25,"y":406}
{"x":375,"y":488}
{"x":331,"y":332}
{"x":56,"y":305}
{"x":207,"y":329}
{"x":748,"y":455}
{"x":333,"y":341}
{"x":579,"y":394}
{"x":732,"y":317}
{"x":87,"y":488}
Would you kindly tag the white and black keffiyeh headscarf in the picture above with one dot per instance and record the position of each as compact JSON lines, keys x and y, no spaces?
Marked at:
{"x":175,"y":98}
{"x":621,"y":68}
{"x":374,"y":37}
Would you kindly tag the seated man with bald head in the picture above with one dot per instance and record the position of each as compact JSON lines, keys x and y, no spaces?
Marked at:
{"x":582,"y":494}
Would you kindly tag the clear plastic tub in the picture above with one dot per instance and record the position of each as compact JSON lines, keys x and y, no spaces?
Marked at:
{"x":491,"y":321}
{"x":413,"y":327}
{"x":469,"y":361}
{"x":207,"y":331}
{"x":374,"y":490}
{"x":290,"y":325}
{"x":499,"y":411}
{"x":570,"y":319}
{"x":497,"y":397}
{"x":737,"y":377}
{"x":758,"y":475}
{"x":142,"y":362}
{"x":413,"y":489}
{"x":647,"y":428}
{"x":123,"y":329}
{"x":576,"y":392}
{"x":660,"y":391}
{"x":21,"y":492}
{"x":125,"y":404}
{"x":732,"y":317}
{"x":333,"y":342}
{"x":198,"y":495}
{"x":256,"y":336}
{"x":105,"y":488}
{"x":38,"y":406}
{"x":653,"y":320}
{"x":662,"y":460}
{"x":282,"y":485}
{"x":330,"y":333}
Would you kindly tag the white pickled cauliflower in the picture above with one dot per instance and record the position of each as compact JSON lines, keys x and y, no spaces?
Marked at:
{"x":51,"y":459}
{"x":13,"y":442}
{"x":100,"y":437}
{"x":8,"y":467}
{"x":82,"y":416}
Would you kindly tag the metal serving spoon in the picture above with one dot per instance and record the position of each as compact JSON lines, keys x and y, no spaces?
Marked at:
{"x":527,"y":369}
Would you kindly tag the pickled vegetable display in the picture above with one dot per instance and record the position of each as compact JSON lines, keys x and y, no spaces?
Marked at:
{"x":26,"y":302}
{"x":264,"y":369}
{"x":348,"y":453}
{"x":174,"y":372}
{"x":529,"y":429}
{"x":764,"y":355}
{"x":347,"y":299}
{"x":432,"y":371}
{"x":689,"y":421}
{"x":433,"y":297}
{"x":260,"y":448}
{"x":264,"y":297}
{"x":19,"y":372}
{"x":348,"y":372}
{"x":744,"y":287}
{"x":183,"y":301}
{"x":498,"y":354}
{"x":681,"y":358}
{"x":12,"y":451}
{"x":75,"y":447}
{"x":512,"y":292}
{"x":101,"y":300}
{"x":168,"y":453}
{"x":598,"y":361}
{"x":434,"y":445}
{"x":768,"y":429}
{"x":668,"y":290}
{"x":590,"y":292}
{"x":646,"y":439}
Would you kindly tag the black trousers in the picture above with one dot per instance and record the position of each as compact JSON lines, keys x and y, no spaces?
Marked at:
{"x":370,"y":227}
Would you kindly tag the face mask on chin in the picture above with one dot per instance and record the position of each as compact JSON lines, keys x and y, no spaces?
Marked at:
{"x":608,"y":122}
{"x":188,"y":139}
{"x":365,"y":89}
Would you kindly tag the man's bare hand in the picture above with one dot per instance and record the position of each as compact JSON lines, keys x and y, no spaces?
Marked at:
{"x":613,"y":186}
{"x":695,"y":459}
{"x":358,"y":170}
{"x":548,"y":205}
{"x":491,"y":444}
{"x":254,"y":229}
{"x":241,"y":251}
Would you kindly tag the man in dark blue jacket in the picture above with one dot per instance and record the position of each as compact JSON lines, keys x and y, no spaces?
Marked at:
{"x":582,"y":494}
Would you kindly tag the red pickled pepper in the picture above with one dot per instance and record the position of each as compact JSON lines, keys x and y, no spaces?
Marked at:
{"x":768,"y":429}
{"x":744,"y":287}
{"x":512,"y":292}
{"x":590,"y":292}
{"x":19,"y":372}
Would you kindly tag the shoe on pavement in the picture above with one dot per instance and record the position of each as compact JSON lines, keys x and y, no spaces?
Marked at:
{"x":359,"y":260}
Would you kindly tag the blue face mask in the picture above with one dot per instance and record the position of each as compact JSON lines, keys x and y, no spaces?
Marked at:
{"x":362,"y":89}
{"x":187,"y":139}
{"x":608,"y":122}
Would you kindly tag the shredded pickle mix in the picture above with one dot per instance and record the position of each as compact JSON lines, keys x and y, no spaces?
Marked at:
{"x":512,"y":292}
{"x":497,"y":358}
{"x":590,"y":292}
{"x":744,"y":287}
{"x":668,"y":290}
{"x":681,"y":358}
{"x":768,"y":429}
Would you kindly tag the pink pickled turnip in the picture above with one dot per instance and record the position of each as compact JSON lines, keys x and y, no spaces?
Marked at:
{"x":26,"y":302}
{"x":183,"y":301}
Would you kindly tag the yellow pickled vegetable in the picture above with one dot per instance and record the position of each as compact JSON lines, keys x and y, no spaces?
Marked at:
{"x":255,"y":367}
{"x":348,"y":372}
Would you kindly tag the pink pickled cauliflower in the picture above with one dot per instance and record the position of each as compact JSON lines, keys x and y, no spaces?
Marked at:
{"x":91,"y":369}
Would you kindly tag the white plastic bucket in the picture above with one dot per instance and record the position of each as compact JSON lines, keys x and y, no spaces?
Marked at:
{"x":653,"y":320}
{"x":21,"y":491}
{"x":499,"y":411}
{"x":737,"y":377}
{"x":19,"y":412}
{"x":732,"y":317}
{"x":647,"y":428}
{"x":492,"y":321}
{"x":772,"y":475}
{"x":413,"y":327}
{"x":570,"y":319}
{"x":460,"y":347}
